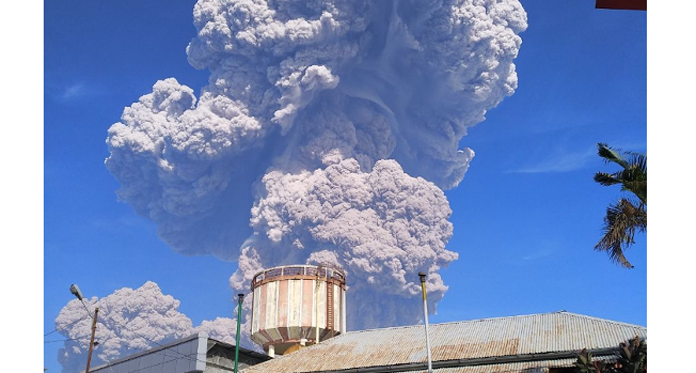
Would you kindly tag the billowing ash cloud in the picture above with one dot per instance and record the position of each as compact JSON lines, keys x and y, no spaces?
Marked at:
{"x":128,"y":321}
{"x":326,"y":134}
{"x":381,"y":226}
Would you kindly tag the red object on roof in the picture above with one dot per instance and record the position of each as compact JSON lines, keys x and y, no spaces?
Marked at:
{"x":622,"y":4}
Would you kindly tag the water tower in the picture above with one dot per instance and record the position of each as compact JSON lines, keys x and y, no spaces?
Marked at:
{"x":297,"y":305}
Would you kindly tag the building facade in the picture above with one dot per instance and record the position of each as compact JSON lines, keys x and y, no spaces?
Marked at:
{"x":195,"y":354}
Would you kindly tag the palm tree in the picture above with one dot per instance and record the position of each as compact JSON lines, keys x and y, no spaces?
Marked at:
{"x":626,"y":216}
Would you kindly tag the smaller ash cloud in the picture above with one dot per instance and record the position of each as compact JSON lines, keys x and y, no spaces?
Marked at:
{"x":129,"y":321}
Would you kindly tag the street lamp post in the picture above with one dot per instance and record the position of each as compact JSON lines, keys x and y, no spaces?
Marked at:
{"x":78,"y":294}
{"x":425,"y":313}
{"x":239,"y":322}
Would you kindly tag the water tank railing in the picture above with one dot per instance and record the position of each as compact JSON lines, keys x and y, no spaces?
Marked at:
{"x":316,"y":272}
{"x":274,"y":272}
{"x":291,"y":271}
{"x":337,"y":275}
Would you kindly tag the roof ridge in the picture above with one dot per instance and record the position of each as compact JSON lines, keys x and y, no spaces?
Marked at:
{"x":496,"y":318}
{"x":604,"y":320}
{"x":416,"y":325}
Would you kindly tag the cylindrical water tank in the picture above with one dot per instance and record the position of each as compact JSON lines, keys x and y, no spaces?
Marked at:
{"x":297,"y":305}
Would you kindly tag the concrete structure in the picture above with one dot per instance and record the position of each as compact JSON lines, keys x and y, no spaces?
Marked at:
{"x":195,"y":354}
{"x":539,"y":343}
{"x":298,"y":305}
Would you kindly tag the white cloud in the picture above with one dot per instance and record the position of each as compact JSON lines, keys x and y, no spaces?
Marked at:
{"x":73,"y":92}
{"x":560,"y":159}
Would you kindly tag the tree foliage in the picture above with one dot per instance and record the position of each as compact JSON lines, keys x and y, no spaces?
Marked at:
{"x":629,"y":215}
{"x":632,"y":357}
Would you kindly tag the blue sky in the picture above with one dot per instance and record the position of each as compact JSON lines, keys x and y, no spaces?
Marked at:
{"x":526,"y":216}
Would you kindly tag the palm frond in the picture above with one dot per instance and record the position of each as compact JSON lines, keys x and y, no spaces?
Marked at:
{"x":606,"y":179}
{"x":639,"y":188}
{"x":610,"y":155}
{"x":621,"y":222}
{"x":636,"y":176}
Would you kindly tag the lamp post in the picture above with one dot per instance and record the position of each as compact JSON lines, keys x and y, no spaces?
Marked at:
{"x":75,"y":290}
{"x":239,"y":322}
{"x":425,"y":309}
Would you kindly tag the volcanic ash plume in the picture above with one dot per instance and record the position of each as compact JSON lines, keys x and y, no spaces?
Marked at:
{"x":129,"y":321}
{"x":325,"y":135}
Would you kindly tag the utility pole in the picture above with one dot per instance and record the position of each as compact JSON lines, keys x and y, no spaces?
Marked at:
{"x":239,"y":322}
{"x":425,"y":309}
{"x":91,"y":341}
{"x":75,"y":290}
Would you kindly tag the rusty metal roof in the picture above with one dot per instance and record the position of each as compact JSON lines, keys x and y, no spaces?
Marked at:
{"x":515,"y":341}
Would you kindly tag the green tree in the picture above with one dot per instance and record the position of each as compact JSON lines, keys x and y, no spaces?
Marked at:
{"x":628,"y":215}
{"x":632,"y":357}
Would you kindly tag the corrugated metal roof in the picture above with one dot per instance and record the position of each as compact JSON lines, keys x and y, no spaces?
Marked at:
{"x":526,"y":367}
{"x":475,"y":339}
{"x":541,"y":366}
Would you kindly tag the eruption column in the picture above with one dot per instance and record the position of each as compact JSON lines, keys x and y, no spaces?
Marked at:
{"x":325,"y":135}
